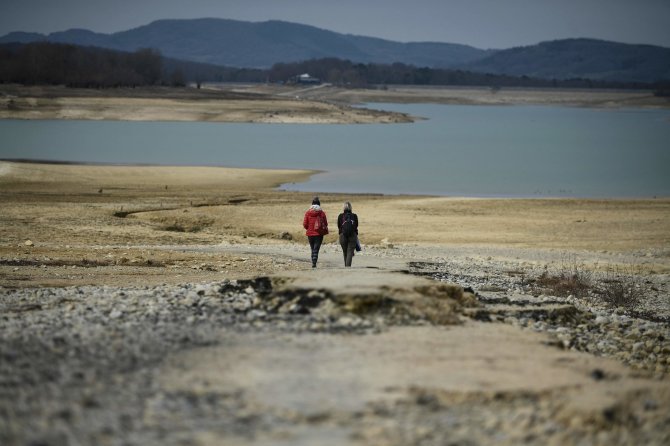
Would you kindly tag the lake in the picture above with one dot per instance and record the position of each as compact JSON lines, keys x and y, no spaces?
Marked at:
{"x":509,"y":151}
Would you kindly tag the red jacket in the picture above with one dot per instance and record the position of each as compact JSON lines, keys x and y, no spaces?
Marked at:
{"x":311,"y":217}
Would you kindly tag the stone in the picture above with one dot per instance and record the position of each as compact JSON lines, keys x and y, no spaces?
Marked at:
{"x":346,"y":321}
{"x":257,"y":314}
{"x":650,"y":405}
{"x":29,"y":243}
{"x":602,"y":320}
{"x":241,"y":305}
{"x":115,"y":314}
{"x":633,"y":334}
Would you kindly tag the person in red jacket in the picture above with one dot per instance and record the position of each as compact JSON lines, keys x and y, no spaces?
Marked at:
{"x":316,"y":225}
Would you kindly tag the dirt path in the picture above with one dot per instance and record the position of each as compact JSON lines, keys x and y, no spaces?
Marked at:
{"x":368,"y":388}
{"x":343,"y":389}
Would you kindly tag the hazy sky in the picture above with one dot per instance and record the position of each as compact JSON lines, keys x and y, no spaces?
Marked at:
{"x":480,"y":23}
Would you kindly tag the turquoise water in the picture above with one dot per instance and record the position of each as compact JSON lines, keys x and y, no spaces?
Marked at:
{"x":459,"y":150}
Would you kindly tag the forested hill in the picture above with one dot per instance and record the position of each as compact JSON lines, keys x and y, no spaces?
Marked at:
{"x":581,"y":58}
{"x":261,"y":45}
{"x":40,"y":63}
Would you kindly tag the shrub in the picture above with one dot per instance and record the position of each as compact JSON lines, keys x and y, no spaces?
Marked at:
{"x":571,"y":278}
{"x":621,"y":287}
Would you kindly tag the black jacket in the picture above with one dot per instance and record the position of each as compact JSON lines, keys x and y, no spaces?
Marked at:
{"x":340,"y":221}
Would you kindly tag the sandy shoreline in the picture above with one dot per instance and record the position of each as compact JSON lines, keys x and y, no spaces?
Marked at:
{"x":261,"y":103}
{"x":180,"y":104}
{"x":73,"y":211}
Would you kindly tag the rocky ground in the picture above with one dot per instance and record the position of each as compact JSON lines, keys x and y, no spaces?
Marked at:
{"x":88,"y":365}
{"x":636,"y":332}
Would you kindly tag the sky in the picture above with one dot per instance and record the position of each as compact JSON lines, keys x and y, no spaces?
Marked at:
{"x":496,"y":24}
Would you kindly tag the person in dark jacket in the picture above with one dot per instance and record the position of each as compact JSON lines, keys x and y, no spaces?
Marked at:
{"x":347,"y":225}
{"x":316,"y":225}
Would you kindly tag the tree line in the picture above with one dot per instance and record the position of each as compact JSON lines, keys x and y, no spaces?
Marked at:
{"x":90,"y":67}
{"x":77,"y":66}
{"x":344,"y":72}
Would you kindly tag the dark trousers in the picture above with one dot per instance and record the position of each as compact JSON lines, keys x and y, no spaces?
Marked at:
{"x":348,"y":245}
{"x":315,"y":243}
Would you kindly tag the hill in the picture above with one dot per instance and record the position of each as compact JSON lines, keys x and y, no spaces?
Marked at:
{"x":47,"y":63}
{"x":260,"y":45}
{"x":581,"y":58}
{"x":242,"y":44}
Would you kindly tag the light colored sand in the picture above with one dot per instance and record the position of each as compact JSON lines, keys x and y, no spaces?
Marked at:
{"x":263,"y":103}
{"x":182,"y":179}
{"x":178,"y":105}
{"x":68,"y":212}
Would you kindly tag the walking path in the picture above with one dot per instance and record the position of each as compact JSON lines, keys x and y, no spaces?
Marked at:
{"x":369,"y":387}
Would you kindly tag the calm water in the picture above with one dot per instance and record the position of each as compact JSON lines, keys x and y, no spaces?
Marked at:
{"x":460,"y":150}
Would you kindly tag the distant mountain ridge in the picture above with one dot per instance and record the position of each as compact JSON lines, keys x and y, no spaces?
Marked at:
{"x":259,"y":45}
{"x":242,"y":44}
{"x":580,"y":58}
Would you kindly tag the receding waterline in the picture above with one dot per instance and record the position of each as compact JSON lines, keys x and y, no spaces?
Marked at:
{"x":477,"y":151}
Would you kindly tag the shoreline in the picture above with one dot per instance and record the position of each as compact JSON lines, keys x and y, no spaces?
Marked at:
{"x":472,"y":196}
{"x":451,"y":95}
{"x":311,"y":172}
{"x":282,"y":186}
{"x":179,"y":105}
{"x":278,"y":104}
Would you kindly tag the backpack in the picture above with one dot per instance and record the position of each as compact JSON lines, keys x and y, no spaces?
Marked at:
{"x":320,"y":225}
{"x":347,"y":225}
